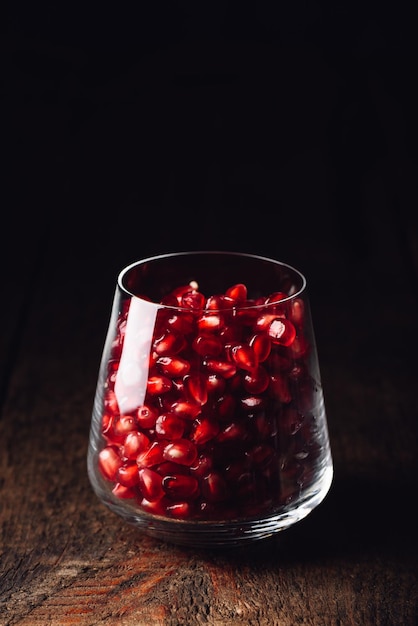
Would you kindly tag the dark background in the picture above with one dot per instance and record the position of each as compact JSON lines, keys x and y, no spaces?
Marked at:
{"x":284,"y":129}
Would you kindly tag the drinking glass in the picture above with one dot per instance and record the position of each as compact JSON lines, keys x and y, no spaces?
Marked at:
{"x":209,"y":426}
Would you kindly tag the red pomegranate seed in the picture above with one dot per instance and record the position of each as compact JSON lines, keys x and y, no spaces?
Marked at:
{"x":237,"y":292}
{"x":169,"y":426}
{"x":193,"y":300}
{"x":127,"y":475}
{"x":109,"y":462}
{"x":263,"y":321}
{"x":120,"y":491}
{"x":252,"y":403}
{"x":203,"y":465}
{"x":214,"y":487}
{"x":157,"y":385}
{"x":167,"y":468}
{"x":146,"y":416}
{"x":182,"y":323}
{"x":173,"y":366}
{"x":282,"y":331}
{"x":297,"y":312}
{"x":226,"y":407}
{"x":299,"y":348}
{"x":181,"y":451}
{"x":150,"y":483}
{"x":169,"y":343}
{"x":204,"y":429}
{"x":152,"y":456}
{"x":207,"y":345}
{"x":291,"y":421}
{"x":279,"y":387}
{"x":215,"y":384}
{"x":195,"y":385}
{"x":236,"y":431}
{"x":180,"y":510}
{"x":244,"y":357}
{"x":261,"y":455}
{"x":111,"y":403}
{"x":181,"y":486}
{"x":224,"y":368}
{"x":257,"y":380}
{"x":210,"y":322}
{"x":187,"y":410}
{"x":134,"y":444}
{"x":276,"y":297}
{"x":122,"y":426}
{"x":261,"y":344}
{"x":156,"y":507}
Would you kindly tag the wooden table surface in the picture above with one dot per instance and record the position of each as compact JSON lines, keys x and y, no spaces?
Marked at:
{"x":84,"y":202}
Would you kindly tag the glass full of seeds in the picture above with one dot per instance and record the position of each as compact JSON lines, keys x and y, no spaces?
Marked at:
{"x":209,"y":426}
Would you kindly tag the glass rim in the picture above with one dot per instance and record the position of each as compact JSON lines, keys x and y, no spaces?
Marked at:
{"x":248,"y":255}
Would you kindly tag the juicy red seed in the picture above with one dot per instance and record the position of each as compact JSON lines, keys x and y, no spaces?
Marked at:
{"x":276,"y":297}
{"x":150,"y":483}
{"x":204,"y":429}
{"x":261,"y":454}
{"x":120,"y":491}
{"x":252,"y":403}
{"x":146,"y":416}
{"x":264,"y":320}
{"x":188,"y":410}
{"x":226,"y":407}
{"x":282,"y":331}
{"x":134,"y":444}
{"x":183,"y":323}
{"x":207,"y":345}
{"x":193,"y":300}
{"x":181,"y":451}
{"x":169,"y":343}
{"x":231,"y":334}
{"x":261,"y":344}
{"x":152,"y":456}
{"x":181,"y":510}
{"x":215,"y":384}
{"x":257,"y":380}
{"x":156,"y":507}
{"x":299,"y":348}
{"x":127,"y":475}
{"x":244,"y":356}
{"x":224,"y":368}
{"x":237,"y":292}
{"x":291,"y":421}
{"x":109,"y":462}
{"x":111,"y":403}
{"x":169,"y":426}
{"x":173,"y":366}
{"x":214,"y":487}
{"x":210,"y":322}
{"x":195,"y":385}
{"x":122,"y":426}
{"x":181,"y":486}
{"x":203,"y":465}
{"x":168,"y":468}
{"x":279,"y":387}
{"x":236,"y":431}
{"x":157,"y":385}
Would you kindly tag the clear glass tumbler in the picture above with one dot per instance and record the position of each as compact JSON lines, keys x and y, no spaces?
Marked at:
{"x":209,"y":426}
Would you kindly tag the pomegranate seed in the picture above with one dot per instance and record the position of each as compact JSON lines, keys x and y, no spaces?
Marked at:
{"x":150,"y":483}
{"x":204,"y":429}
{"x":237,"y":292}
{"x":173,"y":366}
{"x":181,"y":486}
{"x":244,"y":356}
{"x":193,"y":300}
{"x":183,"y":323}
{"x":279,"y":388}
{"x":297,"y":312}
{"x":122,"y":426}
{"x":188,"y":410}
{"x":215,"y":384}
{"x":276,"y":297}
{"x":195,"y":385}
{"x":169,"y":426}
{"x":210,"y":322}
{"x":146,"y":416}
{"x":202,"y":465}
{"x":236,"y":431}
{"x":282,"y":331}
{"x":181,"y":510}
{"x":257,"y":380}
{"x":181,"y":451}
{"x":127,"y":475}
{"x":156,"y":507}
{"x":261,"y":344}
{"x":109,"y":462}
{"x":120,"y":491}
{"x":214,"y":487}
{"x":299,"y":348}
{"x":207,"y":345}
{"x":152,"y":456}
{"x":226,"y":406}
{"x":170,"y":343}
{"x":134,"y":444}
{"x":157,"y":385}
{"x":111,"y":403}
{"x":223,"y":368}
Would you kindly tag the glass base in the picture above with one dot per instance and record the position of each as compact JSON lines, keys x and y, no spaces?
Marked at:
{"x":213,"y":534}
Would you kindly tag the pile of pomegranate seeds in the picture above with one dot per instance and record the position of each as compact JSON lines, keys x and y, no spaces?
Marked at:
{"x":226,"y":428}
